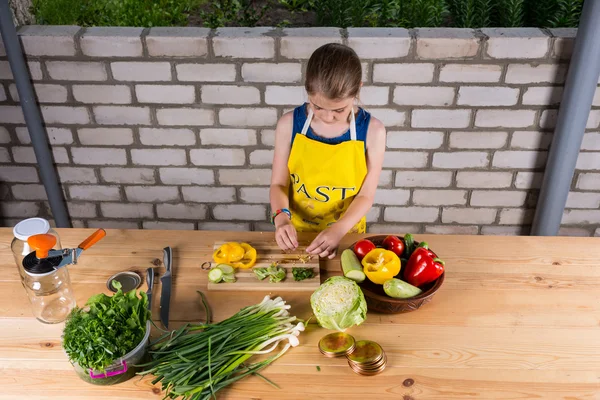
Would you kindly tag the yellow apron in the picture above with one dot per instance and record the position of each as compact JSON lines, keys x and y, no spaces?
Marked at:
{"x":325,"y":178}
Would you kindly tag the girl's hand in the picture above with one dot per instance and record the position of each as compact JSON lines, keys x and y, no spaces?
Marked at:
{"x":285,"y":233}
{"x":326,"y":243}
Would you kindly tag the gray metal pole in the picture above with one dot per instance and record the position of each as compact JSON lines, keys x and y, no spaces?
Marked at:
{"x":33,"y":119}
{"x":573,"y":114}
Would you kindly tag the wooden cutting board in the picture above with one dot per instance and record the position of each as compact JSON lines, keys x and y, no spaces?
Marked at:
{"x":268,"y":253}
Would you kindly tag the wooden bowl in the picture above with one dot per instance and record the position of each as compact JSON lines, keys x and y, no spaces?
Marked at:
{"x":378,"y":301}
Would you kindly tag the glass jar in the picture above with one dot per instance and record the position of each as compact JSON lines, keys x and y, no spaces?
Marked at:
{"x":22,"y":231}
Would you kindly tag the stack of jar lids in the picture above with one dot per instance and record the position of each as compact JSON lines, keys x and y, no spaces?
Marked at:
{"x":365,"y":357}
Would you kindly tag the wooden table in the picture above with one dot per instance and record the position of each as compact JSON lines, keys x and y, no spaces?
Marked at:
{"x":517,"y":317}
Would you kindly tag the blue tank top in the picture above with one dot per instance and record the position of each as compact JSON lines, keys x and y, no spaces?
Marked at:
{"x":362,"y":119}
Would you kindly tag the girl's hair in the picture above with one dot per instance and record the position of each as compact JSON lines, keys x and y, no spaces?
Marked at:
{"x":335,"y":71}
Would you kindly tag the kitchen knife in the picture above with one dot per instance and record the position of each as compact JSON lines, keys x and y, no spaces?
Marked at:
{"x":165,"y":294}
{"x":150,"y":282}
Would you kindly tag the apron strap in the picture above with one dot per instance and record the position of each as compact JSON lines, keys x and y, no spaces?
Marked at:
{"x":352,"y":123}
{"x":307,"y":123}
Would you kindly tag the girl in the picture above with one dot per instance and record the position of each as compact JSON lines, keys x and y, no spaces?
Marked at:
{"x":328,"y":156}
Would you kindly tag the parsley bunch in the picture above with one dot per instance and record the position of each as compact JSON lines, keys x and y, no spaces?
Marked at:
{"x":112,"y":327}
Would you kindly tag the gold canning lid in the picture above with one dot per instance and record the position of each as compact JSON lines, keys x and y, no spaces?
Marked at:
{"x":366,"y":352}
{"x":336,"y":344}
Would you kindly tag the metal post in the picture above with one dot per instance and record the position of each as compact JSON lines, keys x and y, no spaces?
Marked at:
{"x":33,"y":119}
{"x":573,"y":114}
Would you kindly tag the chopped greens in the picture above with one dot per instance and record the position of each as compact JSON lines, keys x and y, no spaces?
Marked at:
{"x":301,"y":274}
{"x":273,"y":272}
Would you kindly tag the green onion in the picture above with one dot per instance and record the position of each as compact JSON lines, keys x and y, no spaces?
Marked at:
{"x":197,"y":360}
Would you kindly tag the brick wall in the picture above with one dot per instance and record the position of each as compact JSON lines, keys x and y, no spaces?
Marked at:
{"x":173,"y":128}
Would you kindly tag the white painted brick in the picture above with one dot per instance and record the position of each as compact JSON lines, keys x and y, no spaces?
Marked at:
{"x":452,"y":229}
{"x":245,"y":177}
{"x":44,"y":93}
{"x":470,"y":215}
{"x":373,"y":214}
{"x":285,"y":95}
{"x":529,"y":180}
{"x":128,"y":175}
{"x":404,"y":159}
{"x":414,"y":140}
{"x":439,"y":197}
{"x":76,"y":175}
{"x":374,"y":95}
{"x":403,"y":73}
{"x":440,"y":118}
{"x":542,"y":95}
{"x":263,"y":227}
{"x":19,"y":209}
{"x":158,"y":156}
{"x":244,"y":117}
{"x":596,"y":99}
{"x":65,"y":115}
{"x":76,"y":71}
{"x":423,"y":178}
{"x":218,"y":156}
{"x":478,"y":140}
{"x":581,"y":217}
{"x":588,"y":160}
{"x":548,"y":119}
{"x":151,"y":194}
{"x":519,"y":159}
{"x":411,"y":214}
{"x":105,"y":136}
{"x":536,"y":73}
{"x":224,"y":226}
{"x":102,"y":94}
{"x":261,"y":157}
{"x":208,"y":194}
{"x":115,"y":115}
{"x":490,"y":198}
{"x":40,"y":40}
{"x":163,"y":225}
{"x":397,"y":197}
{"x":531,"y":140}
{"x":470,"y":73}
{"x":396,"y":228}
{"x":255,"y":195}
{"x":181,"y":211}
{"x":504,"y":230}
{"x":112,"y":42}
{"x":587,"y":181}
{"x":576,"y":200}
{"x":11,"y":173}
{"x":564,"y":39}
{"x":573,"y":231}
{"x":591,"y":141}
{"x":597,"y":232}
{"x":244,"y":43}
{"x":141,"y":71}
{"x":220,"y":94}
{"x":3,"y":95}
{"x":112,"y":224}
{"x":593,"y":120}
{"x":516,"y":216}
{"x":487,"y":96}
{"x":26,"y":155}
{"x":228,"y":137}
{"x":165,"y":94}
{"x":376,"y":43}
{"x":35,"y":70}
{"x":187,"y":176}
{"x":206,"y":72}
{"x":446,"y":43}
{"x":267,"y":137}
{"x":29,"y":192}
{"x":11,"y":115}
{"x":423,"y":96}
{"x":484,"y":180}
{"x":167,"y":137}
{"x":4,"y":155}
{"x":177,"y":42}
{"x":82,"y":210}
{"x":504,"y":118}
{"x":388,"y":116}
{"x":95,"y":192}
{"x":4,"y":135}
{"x":461,"y":159}
{"x":516,"y":42}
{"x":272,"y":72}
{"x":56,"y":136}
{"x":385,"y":178}
{"x":185,"y":116}
{"x":240,"y":212}
{"x":300,"y":43}
{"x":366,"y":68}
{"x":98,"y":156}
{"x":131,"y":210}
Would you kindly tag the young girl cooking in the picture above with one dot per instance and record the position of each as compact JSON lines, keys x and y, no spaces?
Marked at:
{"x":328,"y":156}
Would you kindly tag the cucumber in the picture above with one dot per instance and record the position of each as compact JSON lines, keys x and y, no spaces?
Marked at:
{"x":227,"y":269}
{"x":215,"y":275}
{"x":229,"y":278}
{"x":399,"y":289}
{"x":351,"y":266}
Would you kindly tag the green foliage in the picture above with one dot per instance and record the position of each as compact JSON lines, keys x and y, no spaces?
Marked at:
{"x":512,"y":13}
{"x":233,"y":13}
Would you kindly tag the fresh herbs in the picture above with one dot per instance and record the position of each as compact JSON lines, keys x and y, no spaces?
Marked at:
{"x":113,"y":326}
{"x":273,"y":272}
{"x":301,"y":274}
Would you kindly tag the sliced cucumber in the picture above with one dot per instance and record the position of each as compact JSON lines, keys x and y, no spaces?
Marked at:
{"x":215,"y":275}
{"x":229,"y":278}
{"x":356,"y":276}
{"x":400,"y":289}
{"x":226,"y":268}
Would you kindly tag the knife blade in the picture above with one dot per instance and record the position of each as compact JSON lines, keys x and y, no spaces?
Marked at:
{"x":166,"y":281}
{"x":150,"y":283}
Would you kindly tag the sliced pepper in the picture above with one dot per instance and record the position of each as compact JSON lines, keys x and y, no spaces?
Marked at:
{"x":228,"y":253}
{"x":380,"y":265}
{"x":249,"y":258}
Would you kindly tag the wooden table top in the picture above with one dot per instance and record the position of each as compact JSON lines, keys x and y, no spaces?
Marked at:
{"x":517,"y":317}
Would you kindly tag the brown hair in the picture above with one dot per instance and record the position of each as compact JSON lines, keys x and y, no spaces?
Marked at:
{"x":335,"y":71}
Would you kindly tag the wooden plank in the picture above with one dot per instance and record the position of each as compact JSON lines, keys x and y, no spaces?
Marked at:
{"x":269,"y":253}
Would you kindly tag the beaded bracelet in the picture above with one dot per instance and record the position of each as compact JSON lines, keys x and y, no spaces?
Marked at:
{"x":276,"y":213}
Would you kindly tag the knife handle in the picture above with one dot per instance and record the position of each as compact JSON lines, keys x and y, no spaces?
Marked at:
{"x":150,"y":279}
{"x":168,"y":258}
{"x":92,"y":239}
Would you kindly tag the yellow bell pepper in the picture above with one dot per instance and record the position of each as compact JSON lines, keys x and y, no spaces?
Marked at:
{"x":249,"y":258}
{"x":380,"y":265}
{"x":238,"y":255}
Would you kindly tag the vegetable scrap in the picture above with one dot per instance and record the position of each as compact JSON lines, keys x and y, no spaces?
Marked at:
{"x":273,"y":272}
{"x":301,"y":274}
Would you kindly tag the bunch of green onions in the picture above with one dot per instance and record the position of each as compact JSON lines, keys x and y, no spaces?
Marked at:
{"x":196,"y":361}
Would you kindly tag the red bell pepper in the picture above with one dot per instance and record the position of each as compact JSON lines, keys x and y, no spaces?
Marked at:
{"x":423,"y":266}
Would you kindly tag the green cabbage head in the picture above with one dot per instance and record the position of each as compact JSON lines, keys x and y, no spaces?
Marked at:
{"x":339,"y":304}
